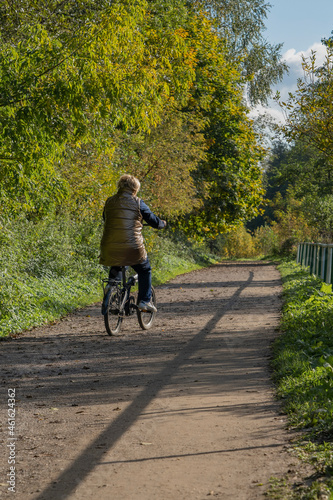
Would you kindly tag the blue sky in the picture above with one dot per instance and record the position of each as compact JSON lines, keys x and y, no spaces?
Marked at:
{"x":299,"y":25}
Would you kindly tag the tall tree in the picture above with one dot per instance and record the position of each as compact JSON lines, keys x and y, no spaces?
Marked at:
{"x":164,"y":161}
{"x":74,"y":72}
{"x":309,"y":124}
{"x":161,"y":83}
{"x":242,"y":24}
{"x":229,"y":180}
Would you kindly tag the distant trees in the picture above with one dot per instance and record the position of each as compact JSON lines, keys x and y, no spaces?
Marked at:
{"x":309,"y":127}
{"x":299,"y":172}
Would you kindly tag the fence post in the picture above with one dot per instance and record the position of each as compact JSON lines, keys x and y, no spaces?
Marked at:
{"x":299,"y":246}
{"x":311,"y":256}
{"x":317,"y":271}
{"x":302,"y":253}
{"x":305,"y":254}
{"x":323,"y":262}
{"x":329,"y":270}
{"x":316,"y":261}
{"x":319,"y":260}
{"x":313,"y":259}
{"x":328,"y":267}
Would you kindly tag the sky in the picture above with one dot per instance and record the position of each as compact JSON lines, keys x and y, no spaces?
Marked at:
{"x":299,"y":25}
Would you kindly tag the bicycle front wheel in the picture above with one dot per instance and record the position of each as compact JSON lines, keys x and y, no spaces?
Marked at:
{"x":112,"y":319}
{"x":146,"y":319}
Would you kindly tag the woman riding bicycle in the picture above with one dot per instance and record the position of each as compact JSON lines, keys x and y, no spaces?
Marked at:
{"x":122,"y":241}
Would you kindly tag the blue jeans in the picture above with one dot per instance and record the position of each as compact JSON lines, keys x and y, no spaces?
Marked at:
{"x":144,"y":278}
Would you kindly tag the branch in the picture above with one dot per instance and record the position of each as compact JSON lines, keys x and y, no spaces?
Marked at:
{"x":17,"y":99}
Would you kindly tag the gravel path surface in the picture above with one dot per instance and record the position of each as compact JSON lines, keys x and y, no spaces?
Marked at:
{"x":185,"y":410}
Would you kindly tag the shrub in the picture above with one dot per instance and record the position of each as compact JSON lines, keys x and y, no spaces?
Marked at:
{"x":266,"y":240}
{"x":48,"y":267}
{"x":319,"y":212}
{"x":239,"y":244}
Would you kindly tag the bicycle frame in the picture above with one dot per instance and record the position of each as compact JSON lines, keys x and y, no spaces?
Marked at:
{"x":126,"y":293}
{"x":124,"y":288}
{"x":119,"y":303}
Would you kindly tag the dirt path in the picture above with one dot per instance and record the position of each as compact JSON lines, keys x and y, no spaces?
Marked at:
{"x":183,"y":411}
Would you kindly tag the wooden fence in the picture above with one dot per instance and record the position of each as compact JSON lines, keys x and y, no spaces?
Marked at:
{"x":318,"y":257}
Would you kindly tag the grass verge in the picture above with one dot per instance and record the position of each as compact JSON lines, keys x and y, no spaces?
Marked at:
{"x":50,"y":267}
{"x":303,"y":371}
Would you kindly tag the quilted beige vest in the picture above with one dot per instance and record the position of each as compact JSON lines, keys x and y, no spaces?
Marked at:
{"x":122,"y":242}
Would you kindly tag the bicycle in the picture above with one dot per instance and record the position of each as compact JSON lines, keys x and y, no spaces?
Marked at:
{"x":118,"y":303}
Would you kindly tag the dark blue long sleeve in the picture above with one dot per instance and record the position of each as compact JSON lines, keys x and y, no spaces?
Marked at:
{"x":149,"y":217}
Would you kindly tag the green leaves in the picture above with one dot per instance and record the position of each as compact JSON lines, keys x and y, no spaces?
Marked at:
{"x":148,"y":87}
{"x":164,"y":160}
{"x":303,"y":360}
{"x":242,"y":23}
{"x":73,"y":82}
{"x":309,"y":111}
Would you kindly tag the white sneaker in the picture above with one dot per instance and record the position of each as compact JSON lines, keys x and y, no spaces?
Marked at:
{"x":146,"y":306}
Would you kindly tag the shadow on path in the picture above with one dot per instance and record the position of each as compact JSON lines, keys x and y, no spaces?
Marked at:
{"x":188,"y":455}
{"x":89,"y":458}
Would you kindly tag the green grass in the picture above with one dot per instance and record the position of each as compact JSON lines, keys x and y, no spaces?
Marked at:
{"x":303,"y":371}
{"x":47,"y":269}
{"x":50,"y":267}
{"x":41,"y":300}
{"x":171,"y":258}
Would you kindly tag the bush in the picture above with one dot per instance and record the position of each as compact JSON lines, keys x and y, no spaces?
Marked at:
{"x":171,"y":253}
{"x":48,"y":268}
{"x":239,"y":244}
{"x":319,"y":212}
{"x":266,"y":240}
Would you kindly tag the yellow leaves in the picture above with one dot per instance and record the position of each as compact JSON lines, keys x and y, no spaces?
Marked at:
{"x":191,"y":58}
{"x":92,"y":178}
{"x":181,"y":32}
{"x":129,"y":69}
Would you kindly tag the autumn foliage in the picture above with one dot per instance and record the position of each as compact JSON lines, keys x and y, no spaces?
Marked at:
{"x":90,"y":90}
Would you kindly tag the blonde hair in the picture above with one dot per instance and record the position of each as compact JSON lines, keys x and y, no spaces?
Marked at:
{"x":129,"y":182}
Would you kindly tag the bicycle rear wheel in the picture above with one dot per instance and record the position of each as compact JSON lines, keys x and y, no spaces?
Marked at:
{"x":146,"y":319}
{"x":112,"y":319}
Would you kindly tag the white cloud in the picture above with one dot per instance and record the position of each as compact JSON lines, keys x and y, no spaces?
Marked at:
{"x":291,"y":57}
{"x":294,"y":61}
{"x":275,"y":112}
{"x":289,"y":83}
